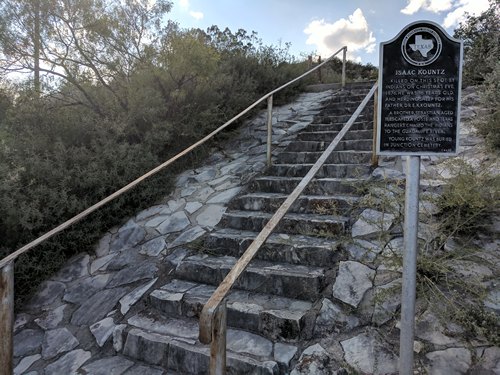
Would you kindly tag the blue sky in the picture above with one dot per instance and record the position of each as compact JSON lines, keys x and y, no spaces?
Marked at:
{"x":323,"y":26}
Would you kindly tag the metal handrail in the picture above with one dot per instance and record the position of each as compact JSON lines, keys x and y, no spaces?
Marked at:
{"x":212,"y":307}
{"x":7,"y":263}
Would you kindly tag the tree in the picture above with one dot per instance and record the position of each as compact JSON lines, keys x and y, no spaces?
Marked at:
{"x":83,"y":43}
{"x":481,"y":36}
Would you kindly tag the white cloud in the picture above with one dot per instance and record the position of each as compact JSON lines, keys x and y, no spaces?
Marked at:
{"x":473,"y":7}
{"x":435,"y":6}
{"x":184,"y":4}
{"x":196,"y":15}
{"x":352,"y":32}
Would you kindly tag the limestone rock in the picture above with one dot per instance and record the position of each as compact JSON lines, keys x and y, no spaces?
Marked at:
{"x":153,"y":247}
{"x":69,"y":363}
{"x":58,"y":341}
{"x":128,"y":238}
{"x":116,"y":365}
{"x":313,"y":361}
{"x":331,"y":317}
{"x":102,"y":330}
{"x":210,"y":215}
{"x":387,"y":301}
{"x":353,"y":280}
{"x":52,"y":319}
{"x":452,"y":361}
{"x":26,"y":363}
{"x":371,"y":223}
{"x":97,"y":307}
{"x":27,"y":342}
{"x":76,"y":268}
{"x":188,"y":236}
{"x":48,"y":293}
{"x":367,"y":353}
{"x":130,"y":299}
{"x":142,"y":271}
{"x":175,"y":223}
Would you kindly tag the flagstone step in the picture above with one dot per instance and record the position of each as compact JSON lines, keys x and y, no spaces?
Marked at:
{"x":313,"y":146}
{"x":318,"y":186}
{"x":336,"y":157}
{"x":173,"y":344}
{"x":327,"y":170}
{"x":273,"y":317}
{"x":336,"y":127}
{"x":307,"y":224}
{"x":342,"y":119}
{"x":286,"y":280}
{"x":279,"y":247}
{"x":328,"y":136}
{"x":305,"y":204}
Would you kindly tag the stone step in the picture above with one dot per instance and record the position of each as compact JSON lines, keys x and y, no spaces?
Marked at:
{"x":279,"y":247}
{"x":173,"y":344}
{"x":281,"y":279}
{"x":307,"y":224}
{"x":318,"y":186}
{"x":327,"y":170}
{"x":271,"y":316}
{"x":328,"y":136}
{"x":342,"y":157}
{"x":357,"y":126}
{"x":326,"y":119}
{"x":346,"y":98}
{"x":313,"y":146}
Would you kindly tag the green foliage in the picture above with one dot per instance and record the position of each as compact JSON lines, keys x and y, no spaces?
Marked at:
{"x":468,"y":200}
{"x":481,"y":37}
{"x":488,"y":125}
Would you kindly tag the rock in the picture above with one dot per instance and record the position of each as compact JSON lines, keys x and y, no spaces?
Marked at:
{"x":175,"y":223}
{"x":248,"y":343}
{"x":126,"y":258}
{"x":210,"y":215}
{"x":203,"y":194}
{"x":176,"y":257}
{"x":102,"y":247}
{"x":153,"y":247}
{"x":353,"y":280}
{"x":80,"y":290}
{"x":100,"y":262}
{"x":52,"y":319}
{"x":48,"y":293}
{"x":387,"y":301}
{"x":151,"y":211}
{"x":157,"y":220}
{"x":97,"y":307}
{"x":144,"y":370}
{"x":383,"y":173}
{"x":283,"y":353}
{"x":102,"y":330}
{"x":69,"y":363}
{"x":118,"y":337}
{"x":367,"y":353}
{"x":488,"y":360}
{"x":58,"y":341}
{"x":141,"y":271}
{"x":225,"y":196}
{"x":27,"y":342}
{"x":26,"y":363}
{"x":21,"y":320}
{"x":331,"y":316}
{"x":313,"y":361}
{"x":186,"y":192}
{"x":428,"y":327}
{"x":115,"y":365}
{"x":470,"y":270}
{"x":206,"y":175}
{"x":188,"y":236}
{"x":372,"y":223}
{"x":452,"y":361}
{"x":130,"y":299}
{"x":492,"y":300}
{"x":128,"y":238}
{"x":362,"y":250}
{"x":192,"y":207}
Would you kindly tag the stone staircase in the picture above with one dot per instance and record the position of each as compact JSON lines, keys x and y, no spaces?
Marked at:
{"x":273,"y":306}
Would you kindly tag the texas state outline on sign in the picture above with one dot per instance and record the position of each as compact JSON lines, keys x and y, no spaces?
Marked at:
{"x":422,"y":45}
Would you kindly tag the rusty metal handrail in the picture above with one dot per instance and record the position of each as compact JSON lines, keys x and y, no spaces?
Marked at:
{"x":7,"y":263}
{"x":212,"y":305}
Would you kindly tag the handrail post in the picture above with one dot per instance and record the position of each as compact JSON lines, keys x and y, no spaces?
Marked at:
{"x":375,"y":130}
{"x":6,"y":318}
{"x":344,"y":56}
{"x":218,"y":345}
{"x":269,"y":128}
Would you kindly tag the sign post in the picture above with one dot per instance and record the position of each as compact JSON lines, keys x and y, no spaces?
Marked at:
{"x":418,"y":114}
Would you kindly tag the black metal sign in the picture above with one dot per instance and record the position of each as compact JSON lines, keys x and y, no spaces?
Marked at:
{"x":419,"y":92}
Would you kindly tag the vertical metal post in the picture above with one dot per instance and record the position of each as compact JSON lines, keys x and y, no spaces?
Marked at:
{"x":320,"y":78}
{"x":409,"y":266}
{"x":218,"y":345}
{"x":6,"y":318}
{"x":269,"y":128}
{"x":344,"y":55}
{"x":375,"y":126}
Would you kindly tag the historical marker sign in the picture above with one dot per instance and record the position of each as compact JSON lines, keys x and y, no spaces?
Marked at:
{"x":419,"y":92}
